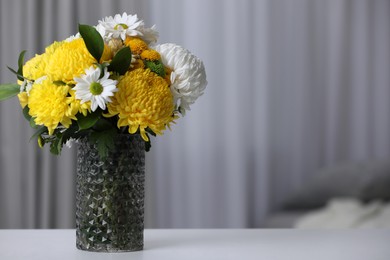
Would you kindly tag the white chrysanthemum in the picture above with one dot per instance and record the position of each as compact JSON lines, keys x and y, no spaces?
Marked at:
{"x":188,"y":76}
{"x":121,"y":26}
{"x":90,"y":87}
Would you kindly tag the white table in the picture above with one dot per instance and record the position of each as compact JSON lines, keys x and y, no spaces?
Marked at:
{"x":204,"y":244}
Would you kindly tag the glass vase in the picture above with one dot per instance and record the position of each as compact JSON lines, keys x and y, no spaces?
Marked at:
{"x":110,"y":196}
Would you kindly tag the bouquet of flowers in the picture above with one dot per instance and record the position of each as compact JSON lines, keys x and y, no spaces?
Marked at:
{"x":107,"y":79}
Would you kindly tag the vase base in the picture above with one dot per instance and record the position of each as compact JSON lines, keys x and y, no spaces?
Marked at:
{"x":108,"y":249}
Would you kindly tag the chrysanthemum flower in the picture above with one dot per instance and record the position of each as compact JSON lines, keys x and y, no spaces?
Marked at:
{"x":137,"y":45}
{"x":23,"y":99}
{"x":90,"y":87}
{"x":35,"y":67}
{"x":188,"y":76}
{"x":76,"y":105}
{"x":143,"y":100}
{"x":49,"y":105}
{"x":53,"y":47}
{"x":70,"y":60}
{"x":150,"y":55}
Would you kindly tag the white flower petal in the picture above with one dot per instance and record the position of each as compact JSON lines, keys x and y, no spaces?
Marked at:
{"x":94,"y":105}
{"x":124,"y":25}
{"x":188,"y":76}
{"x":83,"y":92}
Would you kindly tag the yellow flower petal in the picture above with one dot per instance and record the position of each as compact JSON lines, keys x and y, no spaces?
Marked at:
{"x":143,"y":100}
{"x":49,"y":105}
{"x":69,"y":60}
{"x":23,"y":99}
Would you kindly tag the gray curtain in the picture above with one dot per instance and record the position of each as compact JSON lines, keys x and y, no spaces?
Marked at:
{"x":293,"y":86}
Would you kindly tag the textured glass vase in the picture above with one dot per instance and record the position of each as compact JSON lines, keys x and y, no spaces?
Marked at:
{"x":110,"y":196}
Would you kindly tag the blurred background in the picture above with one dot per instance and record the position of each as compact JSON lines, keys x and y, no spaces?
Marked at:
{"x":295,"y":115}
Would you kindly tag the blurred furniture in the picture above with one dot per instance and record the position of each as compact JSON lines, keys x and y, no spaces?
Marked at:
{"x":198,"y":244}
{"x":361,"y":186}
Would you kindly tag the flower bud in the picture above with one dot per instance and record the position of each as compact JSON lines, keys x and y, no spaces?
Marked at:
{"x":115,"y":45}
{"x":41,"y":141}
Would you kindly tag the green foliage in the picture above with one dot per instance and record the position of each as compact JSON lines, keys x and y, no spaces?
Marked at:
{"x":103,"y":124}
{"x":41,"y":130}
{"x":148,"y":145}
{"x":56,"y":145}
{"x":121,"y":61}
{"x":88,"y":121}
{"x":72,"y":132}
{"x":155,"y":66}
{"x":8,"y":91}
{"x":15,"y":72}
{"x":105,"y":141}
{"x":59,"y":83}
{"x":26,"y":114}
{"x":93,"y":40}
{"x":32,"y":123}
{"x":19,"y":73}
{"x":20,"y":65}
{"x":150,"y":131}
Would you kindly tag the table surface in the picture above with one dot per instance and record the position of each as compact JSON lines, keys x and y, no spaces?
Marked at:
{"x":203,"y":244}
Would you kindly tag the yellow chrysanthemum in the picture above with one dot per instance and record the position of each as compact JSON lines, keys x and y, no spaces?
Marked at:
{"x":76,"y":105}
{"x":35,"y":67}
{"x":138,"y":64}
{"x":150,"y":55}
{"x":53,"y":47}
{"x":167,"y":77}
{"x":70,"y":60}
{"x":143,"y":100}
{"x":49,"y":105}
{"x":23,"y":99}
{"x":137,"y":46}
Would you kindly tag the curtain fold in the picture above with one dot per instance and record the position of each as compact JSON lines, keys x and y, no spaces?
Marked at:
{"x":293,"y":86}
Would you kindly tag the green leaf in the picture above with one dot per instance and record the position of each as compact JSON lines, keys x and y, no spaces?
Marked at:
{"x":71,"y":132}
{"x":8,"y":91}
{"x":32,"y":123}
{"x":88,"y":121}
{"x":14,"y":71}
{"x":148,"y":146}
{"x":156,"y":67}
{"x":59,"y":83}
{"x":20,"y":65}
{"x":93,"y":40}
{"x":121,"y":61}
{"x":26,"y":114}
{"x":56,"y":145}
{"x":105,"y":141}
{"x":150,"y":131}
{"x":103,"y":124}
{"x":40,"y":131}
